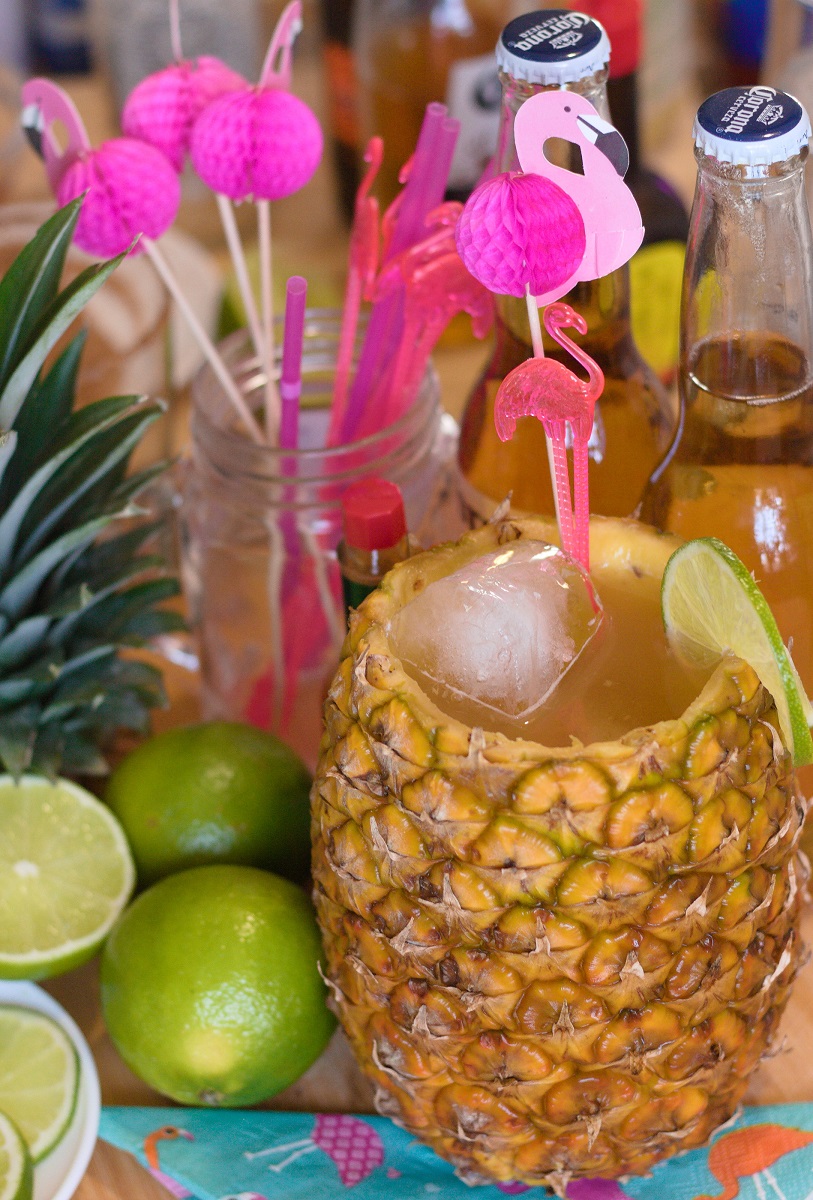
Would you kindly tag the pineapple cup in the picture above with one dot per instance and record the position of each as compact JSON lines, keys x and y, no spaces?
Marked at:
{"x":553,"y":963}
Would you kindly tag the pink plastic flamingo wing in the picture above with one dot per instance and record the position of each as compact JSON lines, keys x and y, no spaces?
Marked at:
{"x":43,"y":104}
{"x":609,"y":210}
{"x":520,"y":231}
{"x":354,"y":1146}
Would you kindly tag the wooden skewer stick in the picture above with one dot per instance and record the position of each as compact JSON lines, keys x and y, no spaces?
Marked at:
{"x":204,"y":341}
{"x":243,"y":282}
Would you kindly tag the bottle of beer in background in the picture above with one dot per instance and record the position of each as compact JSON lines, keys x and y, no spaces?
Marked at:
{"x":342,"y":100}
{"x":411,"y":52}
{"x":656,"y":271}
{"x":635,"y":418}
{"x":742,"y":465}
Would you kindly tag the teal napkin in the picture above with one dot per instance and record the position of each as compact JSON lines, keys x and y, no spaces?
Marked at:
{"x":766,"y":1154}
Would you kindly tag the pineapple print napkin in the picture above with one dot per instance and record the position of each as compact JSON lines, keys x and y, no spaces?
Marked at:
{"x":766,"y":1154}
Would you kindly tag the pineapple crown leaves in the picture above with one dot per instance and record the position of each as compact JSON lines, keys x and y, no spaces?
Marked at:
{"x":76,"y":587}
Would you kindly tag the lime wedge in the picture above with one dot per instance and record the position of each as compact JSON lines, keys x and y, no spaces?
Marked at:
{"x":712,"y":606}
{"x":16,"y":1172}
{"x":65,"y":875}
{"x":39,"y":1077}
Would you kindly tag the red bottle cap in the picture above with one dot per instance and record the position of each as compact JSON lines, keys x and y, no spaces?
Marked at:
{"x":373,"y":511}
{"x":622,"y":19}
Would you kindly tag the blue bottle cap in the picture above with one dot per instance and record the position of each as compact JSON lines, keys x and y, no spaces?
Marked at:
{"x":553,"y":46}
{"x":751,"y":126}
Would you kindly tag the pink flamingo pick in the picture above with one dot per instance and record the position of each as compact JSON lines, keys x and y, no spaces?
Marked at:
{"x":131,"y":195}
{"x":611,"y":216}
{"x":548,"y":390}
{"x":131,"y":187}
{"x":162,"y":108}
{"x":260,"y":143}
{"x":353,"y":1145}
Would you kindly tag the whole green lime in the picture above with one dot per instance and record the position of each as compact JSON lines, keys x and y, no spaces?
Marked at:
{"x":216,"y":792}
{"x":211,"y":988}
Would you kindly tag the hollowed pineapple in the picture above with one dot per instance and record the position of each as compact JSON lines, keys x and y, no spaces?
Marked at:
{"x":553,"y":964}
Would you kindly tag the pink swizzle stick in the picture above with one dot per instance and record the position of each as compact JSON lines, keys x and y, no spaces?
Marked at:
{"x":131,"y":196}
{"x":364,"y":255}
{"x":290,"y":384}
{"x":546,"y":389}
{"x":610,"y":213}
{"x":435,"y":286}
{"x":261,"y":143}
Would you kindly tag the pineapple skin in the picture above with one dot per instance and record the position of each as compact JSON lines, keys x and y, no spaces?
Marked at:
{"x":553,"y":964}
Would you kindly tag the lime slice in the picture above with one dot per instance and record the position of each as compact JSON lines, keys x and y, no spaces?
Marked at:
{"x":712,"y":606}
{"x":39,"y":1077}
{"x":65,"y":875}
{"x":16,"y":1172}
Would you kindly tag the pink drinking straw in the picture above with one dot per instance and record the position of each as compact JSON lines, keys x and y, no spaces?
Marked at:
{"x":435,"y":286}
{"x":290,"y":385}
{"x":364,"y":253}
{"x":423,"y":192}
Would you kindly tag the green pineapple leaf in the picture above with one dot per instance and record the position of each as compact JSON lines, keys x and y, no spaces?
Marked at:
{"x":50,"y":328}
{"x":48,"y":407}
{"x":77,"y":586}
{"x":31,"y":284}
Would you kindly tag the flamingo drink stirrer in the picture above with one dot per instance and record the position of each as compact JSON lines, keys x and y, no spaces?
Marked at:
{"x":131,"y":197}
{"x":262,"y":143}
{"x":539,"y":233}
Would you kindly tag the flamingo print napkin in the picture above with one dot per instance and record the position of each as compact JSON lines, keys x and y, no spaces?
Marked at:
{"x":766,"y":1154}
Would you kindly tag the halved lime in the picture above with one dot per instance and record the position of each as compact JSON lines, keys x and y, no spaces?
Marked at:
{"x":39,"y":1077}
{"x":65,"y":875}
{"x":16,"y":1171}
{"x":712,"y":606}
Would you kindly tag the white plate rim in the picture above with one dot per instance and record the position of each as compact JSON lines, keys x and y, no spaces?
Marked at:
{"x":89,"y":1100}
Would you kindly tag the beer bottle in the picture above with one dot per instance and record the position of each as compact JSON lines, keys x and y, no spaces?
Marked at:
{"x":741,"y":467}
{"x":635,"y":419}
{"x":410,"y":52}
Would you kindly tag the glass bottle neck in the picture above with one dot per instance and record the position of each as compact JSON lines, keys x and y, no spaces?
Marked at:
{"x":602,"y":302}
{"x":747,"y":283}
{"x":516,"y":91}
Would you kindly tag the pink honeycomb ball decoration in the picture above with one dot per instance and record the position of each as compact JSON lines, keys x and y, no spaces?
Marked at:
{"x":163,"y":108}
{"x":520,"y":230}
{"x":260,"y":143}
{"x":131,"y":189}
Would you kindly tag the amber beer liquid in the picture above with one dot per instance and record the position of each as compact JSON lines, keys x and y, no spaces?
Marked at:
{"x":635,"y":420}
{"x":742,"y":466}
{"x":411,"y":52}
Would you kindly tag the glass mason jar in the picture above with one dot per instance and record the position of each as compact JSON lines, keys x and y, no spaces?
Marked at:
{"x":261,"y":526}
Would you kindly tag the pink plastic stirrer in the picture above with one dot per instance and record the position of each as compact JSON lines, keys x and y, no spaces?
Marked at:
{"x":364,"y":253}
{"x":546,"y":389}
{"x":131,"y":192}
{"x":436,"y":286}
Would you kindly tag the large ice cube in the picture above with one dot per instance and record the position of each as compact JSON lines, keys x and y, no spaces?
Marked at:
{"x":502,"y":630}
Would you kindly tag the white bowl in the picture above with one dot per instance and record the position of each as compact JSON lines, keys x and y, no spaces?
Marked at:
{"x":59,"y":1174}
